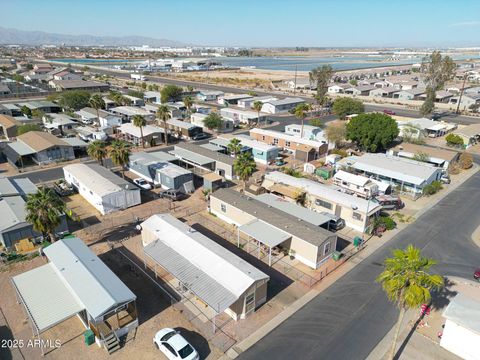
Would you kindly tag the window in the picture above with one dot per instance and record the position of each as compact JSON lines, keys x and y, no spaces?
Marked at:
{"x":263,"y":137}
{"x":275,"y":141}
{"x":324,"y":204}
{"x":249,"y":299}
{"x":223,"y":207}
{"x":357,"y":215}
{"x":170,"y":348}
{"x":287,"y":143}
{"x":326,"y":248}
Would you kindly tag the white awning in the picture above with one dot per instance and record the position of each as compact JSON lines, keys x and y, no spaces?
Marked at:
{"x":46,"y":298}
{"x":265,"y":233}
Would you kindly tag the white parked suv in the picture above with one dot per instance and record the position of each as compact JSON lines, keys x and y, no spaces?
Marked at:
{"x":174,"y":345}
{"x":142,"y":183}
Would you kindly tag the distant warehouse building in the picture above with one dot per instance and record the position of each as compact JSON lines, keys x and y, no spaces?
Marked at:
{"x":203,"y":268}
{"x":61,"y":85}
{"x":104,"y":190}
{"x":272,"y":227}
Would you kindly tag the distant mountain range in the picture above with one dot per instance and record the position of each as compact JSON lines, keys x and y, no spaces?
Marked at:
{"x":20,"y":37}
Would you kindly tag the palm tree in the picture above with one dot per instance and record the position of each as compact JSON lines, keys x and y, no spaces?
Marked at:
{"x":163,"y":114}
{"x":97,"y":103}
{"x":234,"y":147}
{"x":120,"y":154}
{"x":97,"y":150}
{"x":44,"y":210}
{"x":301,"y":113}
{"x":115,"y":96}
{"x":125,"y":101}
{"x":407,"y":282}
{"x":244,"y":166}
{"x":257,"y":106}
{"x":139,"y":121}
{"x":188,"y":101}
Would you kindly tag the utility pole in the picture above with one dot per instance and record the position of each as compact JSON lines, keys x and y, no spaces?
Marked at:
{"x":295,"y":81}
{"x":461,"y":93}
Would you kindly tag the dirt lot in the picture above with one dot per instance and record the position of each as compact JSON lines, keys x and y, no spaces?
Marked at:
{"x":154,"y":313}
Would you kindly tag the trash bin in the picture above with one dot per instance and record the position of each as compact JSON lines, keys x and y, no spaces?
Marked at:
{"x":89,"y":337}
{"x":357,"y":240}
{"x":336,"y":255}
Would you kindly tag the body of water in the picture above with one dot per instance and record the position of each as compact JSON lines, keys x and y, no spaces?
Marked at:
{"x":301,"y":63}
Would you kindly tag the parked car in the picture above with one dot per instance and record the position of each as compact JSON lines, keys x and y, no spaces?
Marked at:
{"x":436,"y":116}
{"x":389,"y":112}
{"x":172,"y":194}
{"x":390,"y":202}
{"x":174,"y":346}
{"x":445,"y":179}
{"x":335,"y":223}
{"x":200,"y":136}
{"x":144,"y":184}
{"x":476,"y":274}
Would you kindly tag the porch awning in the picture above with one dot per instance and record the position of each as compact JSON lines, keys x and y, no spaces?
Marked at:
{"x":265,"y":233}
{"x":45,"y":296}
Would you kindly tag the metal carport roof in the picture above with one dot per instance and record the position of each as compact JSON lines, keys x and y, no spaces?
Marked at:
{"x":265,"y":233}
{"x":46,"y":297}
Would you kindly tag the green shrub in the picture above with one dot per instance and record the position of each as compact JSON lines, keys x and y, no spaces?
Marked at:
{"x":432,"y":188}
{"x":340,"y":152}
{"x":454,"y":140}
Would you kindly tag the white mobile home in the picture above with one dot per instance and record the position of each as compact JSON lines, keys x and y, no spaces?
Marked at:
{"x":205,"y":269}
{"x":104,"y":190}
{"x":356,"y":184}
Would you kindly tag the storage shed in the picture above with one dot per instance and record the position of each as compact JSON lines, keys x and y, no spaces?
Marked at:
{"x":103,"y":189}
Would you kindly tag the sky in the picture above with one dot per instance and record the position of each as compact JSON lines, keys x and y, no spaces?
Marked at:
{"x":260,"y":23}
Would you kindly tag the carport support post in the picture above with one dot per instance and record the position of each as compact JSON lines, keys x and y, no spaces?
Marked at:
{"x":270,"y":256}
{"x":238,"y":237}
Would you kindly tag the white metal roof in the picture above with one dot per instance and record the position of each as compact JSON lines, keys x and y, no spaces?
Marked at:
{"x":323,"y":191}
{"x":358,"y":180}
{"x":129,"y":128}
{"x":411,"y":171}
{"x":464,"y":311}
{"x":90,"y":280}
{"x":310,"y":216}
{"x":265,"y":233}
{"x":98,"y":179}
{"x":249,"y":142}
{"x":213,"y":273}
{"x":46,"y":297}
{"x":12,"y":210}
{"x":287,"y":137}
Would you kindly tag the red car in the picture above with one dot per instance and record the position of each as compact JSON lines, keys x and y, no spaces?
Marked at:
{"x":389,"y":112}
{"x":476,"y":274}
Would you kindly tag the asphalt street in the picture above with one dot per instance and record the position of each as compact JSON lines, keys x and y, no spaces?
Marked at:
{"x":353,"y":315}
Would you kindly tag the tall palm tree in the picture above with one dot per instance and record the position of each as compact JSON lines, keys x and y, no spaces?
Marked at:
{"x":163,"y":113}
{"x":97,"y":103}
{"x":234,"y":147}
{"x":120,"y":154}
{"x":44,"y":210}
{"x":97,"y":150}
{"x":301,"y":113}
{"x":139,"y":121}
{"x":188,"y":101}
{"x":115,"y":96}
{"x":244,"y":166}
{"x":257,"y":106}
{"x":407,"y":282}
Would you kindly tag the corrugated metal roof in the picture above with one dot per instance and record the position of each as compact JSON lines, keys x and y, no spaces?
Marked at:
{"x":46,"y":296}
{"x":75,"y":142}
{"x":266,"y":234}
{"x":213,"y":273}
{"x":92,"y":282}
{"x":7,"y":188}
{"x":191,"y":156}
{"x":98,"y":179}
{"x":305,"y":214}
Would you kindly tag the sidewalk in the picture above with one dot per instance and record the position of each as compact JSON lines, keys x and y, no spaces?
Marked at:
{"x":369,"y":248}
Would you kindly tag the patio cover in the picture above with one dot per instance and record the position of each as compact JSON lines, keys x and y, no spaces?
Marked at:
{"x":265,"y":233}
{"x":46,"y":298}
